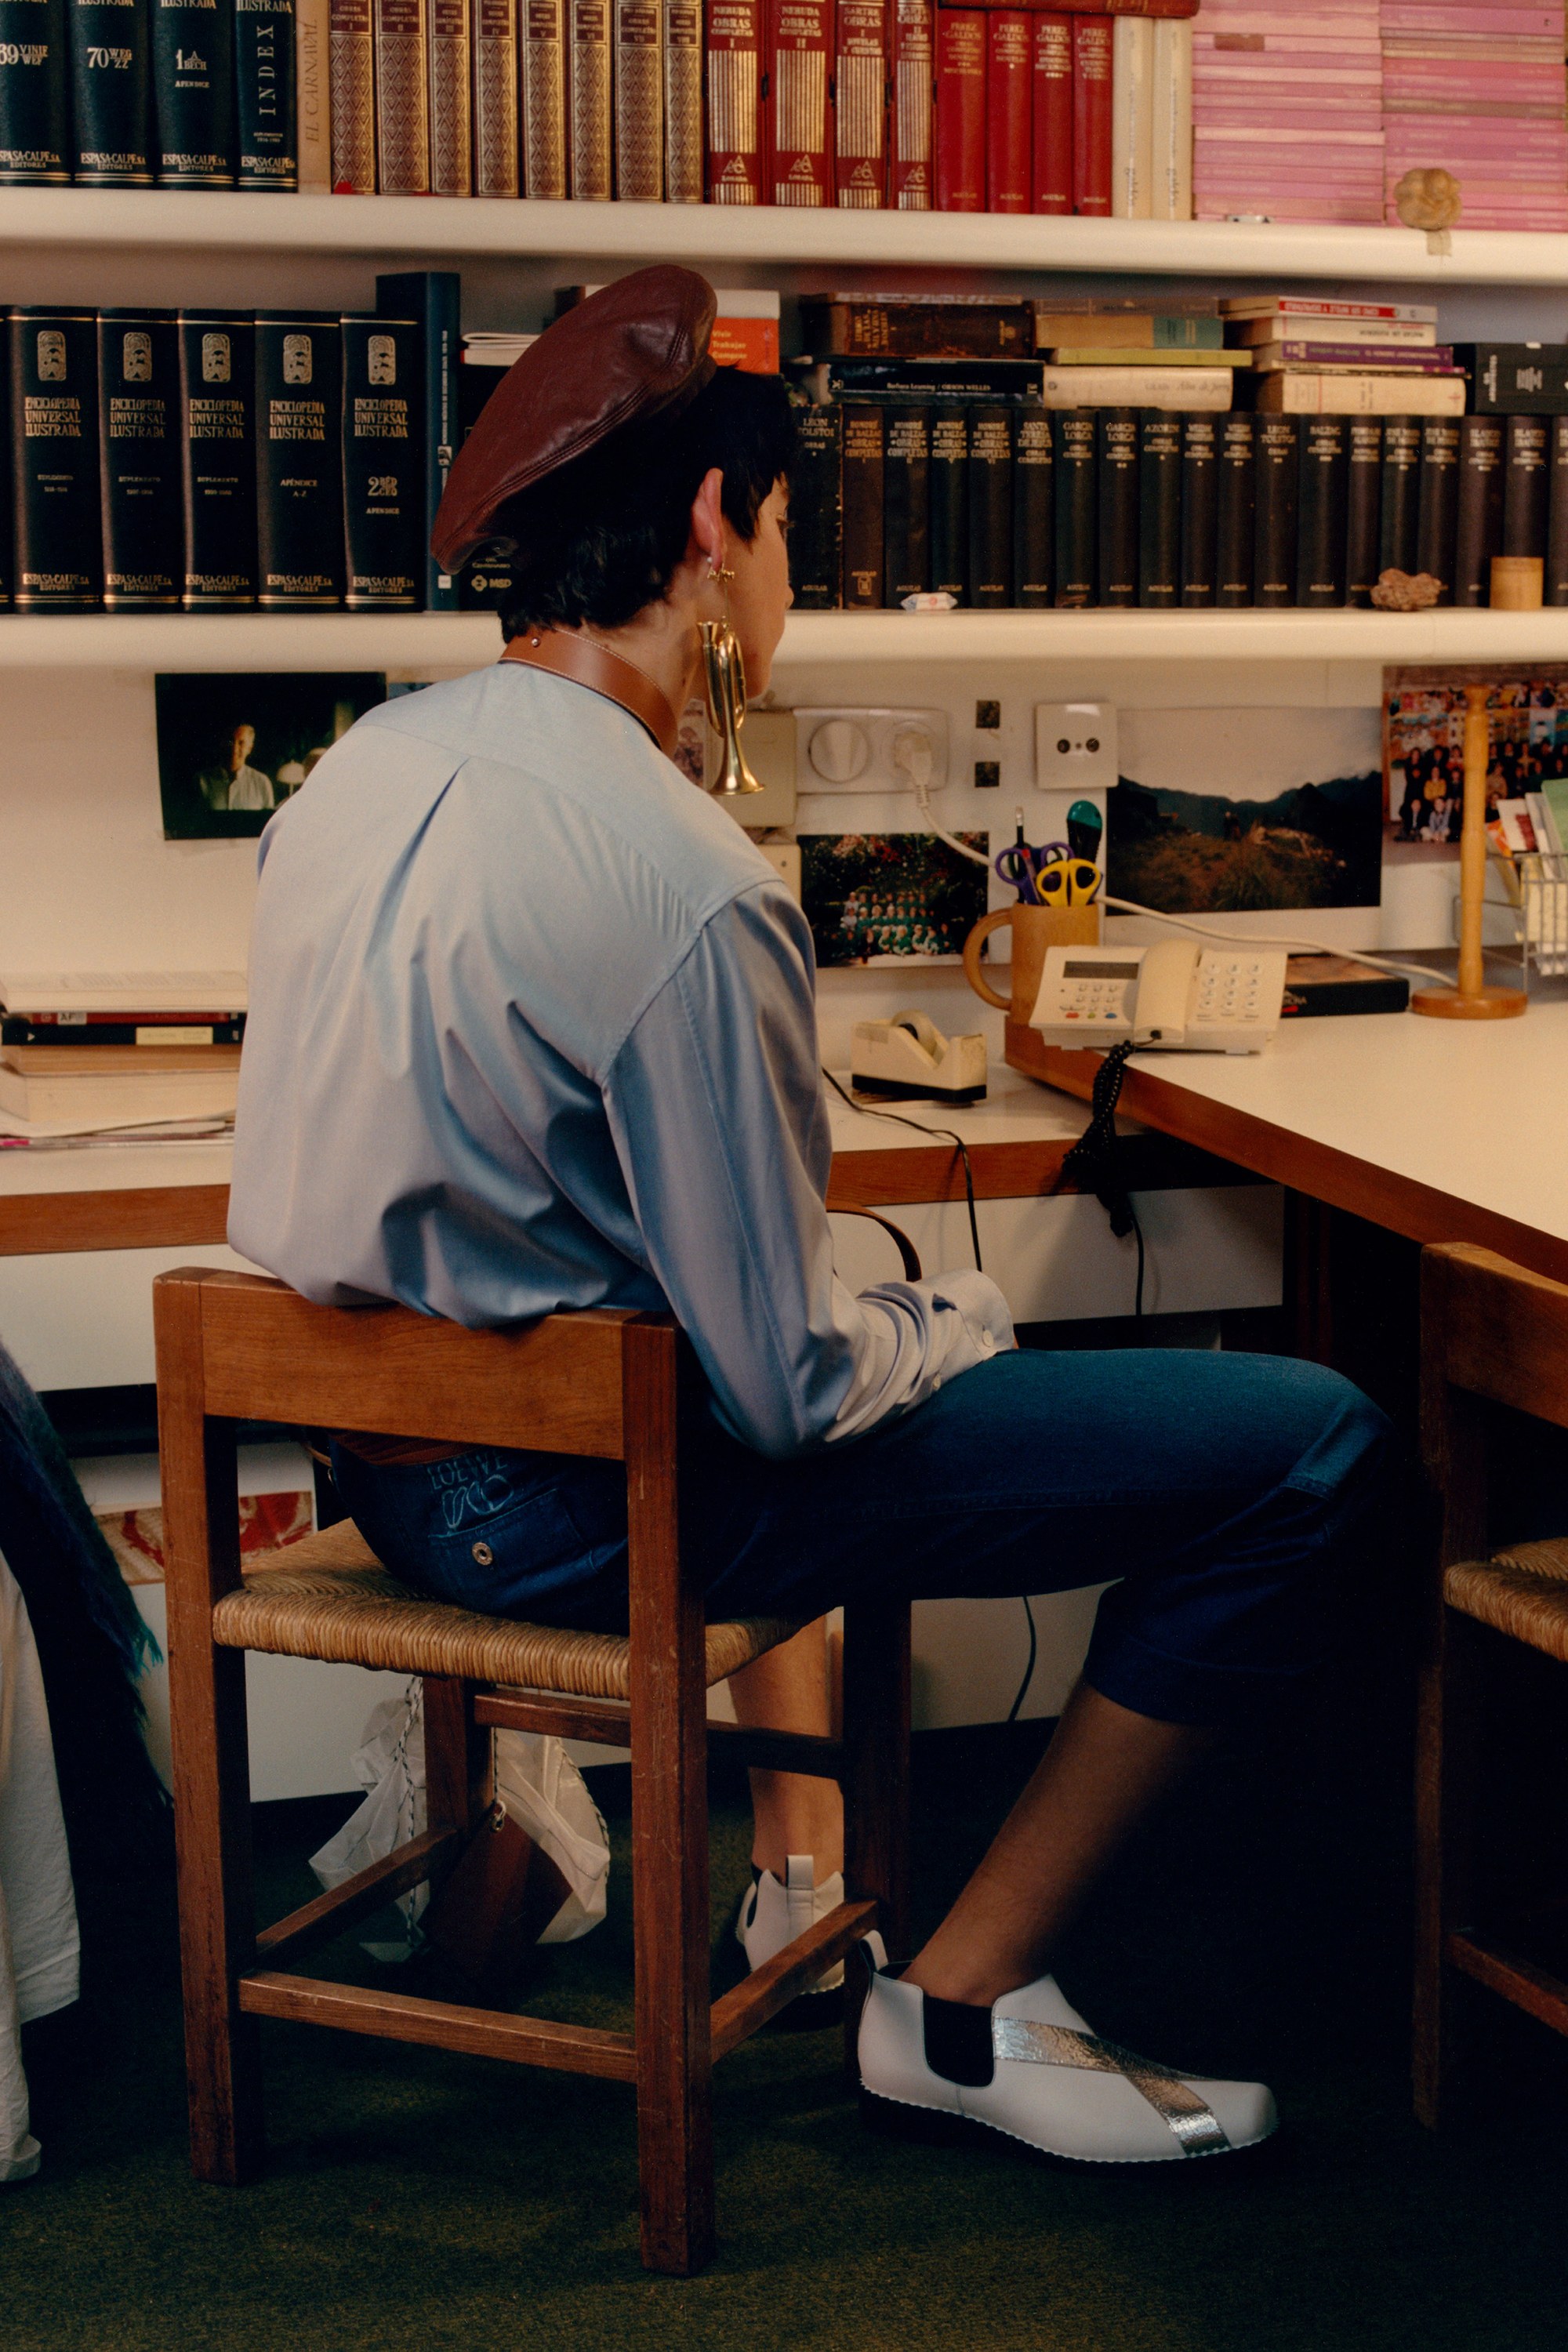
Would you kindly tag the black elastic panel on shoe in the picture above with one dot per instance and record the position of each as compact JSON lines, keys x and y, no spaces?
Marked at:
{"x":958,"y":2042}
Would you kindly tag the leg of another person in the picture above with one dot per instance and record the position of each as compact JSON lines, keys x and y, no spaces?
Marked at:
{"x":786,"y":1690}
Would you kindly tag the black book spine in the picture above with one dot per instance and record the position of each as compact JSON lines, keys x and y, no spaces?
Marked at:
{"x":906,"y":503}
{"x":485,"y":580}
{"x":1401,"y":486}
{"x":7,"y":496}
{"x":1276,"y":469}
{"x":1556,"y":586}
{"x":1117,"y":455}
{"x":815,"y":535}
{"x":54,"y":447}
{"x":1321,"y":520}
{"x":1524,"y":487}
{"x":35,"y":94}
{"x":1364,"y":499}
{"x":265,"y":95}
{"x":298,"y":477}
{"x":218,"y":417}
{"x":1236,"y":502}
{"x":1437,"y":502}
{"x":863,"y":460}
{"x":193,"y":93}
{"x":1033,"y":507}
{"x":990,"y":506}
{"x":1159,"y":508}
{"x":432,"y":297}
{"x":139,"y":459}
{"x":950,"y":502}
{"x":1077,"y":504}
{"x":17,"y":1029}
{"x":111,"y":92}
{"x":383,"y":472}
{"x":1478,"y":529}
{"x":1200,"y":507}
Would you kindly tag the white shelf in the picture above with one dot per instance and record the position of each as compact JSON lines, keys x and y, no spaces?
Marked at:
{"x":412,"y":641}
{"x":135,"y":219}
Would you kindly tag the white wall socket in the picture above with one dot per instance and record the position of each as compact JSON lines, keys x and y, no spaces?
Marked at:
{"x":869,"y":750}
{"x":1075,"y":747}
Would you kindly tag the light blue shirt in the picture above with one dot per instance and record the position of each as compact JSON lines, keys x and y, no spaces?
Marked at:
{"x":533,"y":1026}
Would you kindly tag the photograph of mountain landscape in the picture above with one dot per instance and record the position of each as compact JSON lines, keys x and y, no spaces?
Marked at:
{"x":1240,"y":811}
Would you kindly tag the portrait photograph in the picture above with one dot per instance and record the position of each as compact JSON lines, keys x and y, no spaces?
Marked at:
{"x":233,"y":747}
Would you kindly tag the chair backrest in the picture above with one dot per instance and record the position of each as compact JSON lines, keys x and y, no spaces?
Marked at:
{"x":1491,"y":1333}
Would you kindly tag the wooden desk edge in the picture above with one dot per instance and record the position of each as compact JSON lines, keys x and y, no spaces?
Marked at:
{"x":151,"y":1216}
{"x":1400,"y":1204}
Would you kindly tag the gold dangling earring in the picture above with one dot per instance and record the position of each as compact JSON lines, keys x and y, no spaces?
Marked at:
{"x":724,"y":678}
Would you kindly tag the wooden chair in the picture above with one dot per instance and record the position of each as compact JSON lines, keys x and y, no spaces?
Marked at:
{"x":1492,"y":1334}
{"x":236,"y":1347}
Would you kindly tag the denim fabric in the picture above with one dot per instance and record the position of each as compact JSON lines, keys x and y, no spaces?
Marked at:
{"x":1217,"y":1489}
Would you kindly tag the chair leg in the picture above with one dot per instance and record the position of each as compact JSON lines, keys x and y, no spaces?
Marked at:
{"x":217,"y":1913}
{"x":1446,"y":1795}
{"x":876,"y":1783}
{"x":457,"y":1755}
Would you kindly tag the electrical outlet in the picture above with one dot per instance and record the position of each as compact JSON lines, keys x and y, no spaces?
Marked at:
{"x":768,"y":740}
{"x":870,"y":751}
{"x":1075,"y":747}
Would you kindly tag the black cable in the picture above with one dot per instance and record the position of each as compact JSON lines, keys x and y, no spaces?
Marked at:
{"x":868,"y":1110}
{"x":1093,"y":1160}
{"x":1029,"y":1669}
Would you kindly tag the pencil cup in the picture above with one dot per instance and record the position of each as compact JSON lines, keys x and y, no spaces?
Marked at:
{"x":1035,"y":929}
{"x":1517,"y":584}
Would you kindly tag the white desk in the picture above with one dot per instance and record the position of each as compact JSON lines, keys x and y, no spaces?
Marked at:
{"x":1439,"y":1130}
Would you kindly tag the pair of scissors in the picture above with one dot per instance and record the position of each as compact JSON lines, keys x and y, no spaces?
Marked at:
{"x":1067,"y":882}
{"x":1021,"y":864}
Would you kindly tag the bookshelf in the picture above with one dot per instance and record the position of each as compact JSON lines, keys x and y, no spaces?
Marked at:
{"x":437,"y":228}
{"x":415,"y":643}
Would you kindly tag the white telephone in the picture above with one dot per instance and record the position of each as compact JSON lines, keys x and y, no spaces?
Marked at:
{"x":1174,"y":994}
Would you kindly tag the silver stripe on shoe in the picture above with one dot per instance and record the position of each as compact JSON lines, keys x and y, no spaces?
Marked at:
{"x":1197,"y":2127}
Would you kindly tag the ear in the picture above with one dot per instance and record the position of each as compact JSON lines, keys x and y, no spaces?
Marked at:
{"x":707,"y":541}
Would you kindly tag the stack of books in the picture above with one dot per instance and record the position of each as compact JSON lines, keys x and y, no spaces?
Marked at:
{"x":217,"y":460}
{"x":1138,"y":351}
{"x":1313,"y":358}
{"x":1476,"y":86}
{"x":1287,"y":111}
{"x":143,"y":1057}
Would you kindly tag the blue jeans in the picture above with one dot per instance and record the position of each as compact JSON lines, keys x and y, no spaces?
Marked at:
{"x":1218,"y":1490}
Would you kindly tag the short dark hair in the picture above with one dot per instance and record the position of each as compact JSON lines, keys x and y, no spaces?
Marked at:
{"x":604,"y":536}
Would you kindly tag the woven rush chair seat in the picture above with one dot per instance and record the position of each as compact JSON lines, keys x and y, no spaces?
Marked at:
{"x":331,"y":1599}
{"x":1522,"y":1593}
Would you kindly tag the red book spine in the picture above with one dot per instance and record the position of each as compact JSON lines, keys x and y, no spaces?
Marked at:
{"x":734,"y":102}
{"x":860,"y":104}
{"x":914,"y":104}
{"x":1052,"y":171}
{"x":1091,"y":115}
{"x":961,"y":111}
{"x":800,"y":51}
{"x":1008,"y":63}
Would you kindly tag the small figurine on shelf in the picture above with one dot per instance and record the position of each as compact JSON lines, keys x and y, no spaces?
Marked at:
{"x":1428,"y":199}
{"x":1405,"y":591}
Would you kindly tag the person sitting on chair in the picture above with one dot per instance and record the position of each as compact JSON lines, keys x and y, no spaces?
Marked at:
{"x":533,"y":1028}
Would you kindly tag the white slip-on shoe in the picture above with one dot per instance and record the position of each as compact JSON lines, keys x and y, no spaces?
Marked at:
{"x":1030,"y":2067}
{"x":771,"y":1915}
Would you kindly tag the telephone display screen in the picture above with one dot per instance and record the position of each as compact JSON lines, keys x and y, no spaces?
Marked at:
{"x":1080,"y":970}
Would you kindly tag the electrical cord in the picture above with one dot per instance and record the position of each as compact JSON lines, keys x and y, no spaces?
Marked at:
{"x":1257,"y":939}
{"x":1029,"y":1669}
{"x":1092,"y":1160}
{"x":947,"y":1134}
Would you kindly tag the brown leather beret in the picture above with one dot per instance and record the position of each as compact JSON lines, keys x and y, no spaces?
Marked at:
{"x":634,"y":350}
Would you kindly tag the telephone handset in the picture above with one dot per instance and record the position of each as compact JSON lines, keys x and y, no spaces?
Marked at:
{"x":1173,"y":995}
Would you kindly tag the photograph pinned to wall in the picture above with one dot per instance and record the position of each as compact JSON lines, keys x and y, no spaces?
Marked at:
{"x":884,"y":898}
{"x":233,"y":747}
{"x":1230,"y":812}
{"x":1423,"y":755}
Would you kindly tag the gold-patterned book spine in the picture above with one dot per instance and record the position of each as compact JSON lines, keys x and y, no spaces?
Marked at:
{"x":683,"y":101}
{"x":734,"y":78}
{"x":544,"y":99}
{"x":451,"y":100}
{"x":494,"y":42}
{"x":402,"y":98}
{"x":639,"y":100}
{"x":588,"y":67}
{"x":313,"y":32}
{"x":352,"y":45}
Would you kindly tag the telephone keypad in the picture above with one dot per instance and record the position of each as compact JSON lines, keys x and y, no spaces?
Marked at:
{"x":1094,"y":999}
{"x":1228,"y":989}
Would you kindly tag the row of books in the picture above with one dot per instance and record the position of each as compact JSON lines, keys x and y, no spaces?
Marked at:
{"x":998,"y":501}
{"x":138,"y":1058}
{"x":218,"y":459}
{"x":1315,"y":110}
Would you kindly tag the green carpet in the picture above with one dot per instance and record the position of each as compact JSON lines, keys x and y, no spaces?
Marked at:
{"x":414,"y":2200}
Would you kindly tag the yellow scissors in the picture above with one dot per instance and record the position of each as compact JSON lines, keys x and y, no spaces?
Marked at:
{"x":1067,"y":882}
